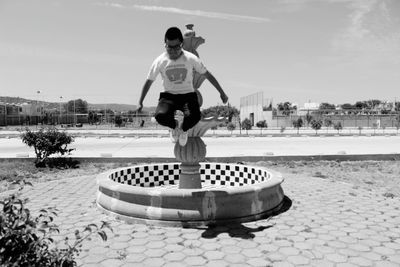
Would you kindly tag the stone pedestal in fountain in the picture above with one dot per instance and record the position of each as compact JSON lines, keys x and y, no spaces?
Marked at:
{"x":193,"y":153}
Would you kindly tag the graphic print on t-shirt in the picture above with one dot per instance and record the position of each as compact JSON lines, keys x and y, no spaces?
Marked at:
{"x":176,"y":74}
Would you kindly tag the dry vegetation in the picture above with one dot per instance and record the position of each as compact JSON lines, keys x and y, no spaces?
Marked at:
{"x":371,"y":175}
{"x":383,"y":175}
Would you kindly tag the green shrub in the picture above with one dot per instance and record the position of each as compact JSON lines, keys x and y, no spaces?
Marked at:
{"x":261,"y":125}
{"x":316,"y":124}
{"x":298,"y":124}
{"x":338,"y":126}
{"x":231,"y":127}
{"x":46,"y":143}
{"x":26,"y":240}
{"x":246,"y":125}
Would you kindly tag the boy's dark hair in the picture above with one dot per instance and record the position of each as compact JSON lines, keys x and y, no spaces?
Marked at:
{"x":172,"y":34}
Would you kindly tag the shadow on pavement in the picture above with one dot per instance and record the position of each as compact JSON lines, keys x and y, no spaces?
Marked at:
{"x":239,"y":230}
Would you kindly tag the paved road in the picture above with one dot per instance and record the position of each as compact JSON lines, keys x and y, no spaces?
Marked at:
{"x":219,"y":146}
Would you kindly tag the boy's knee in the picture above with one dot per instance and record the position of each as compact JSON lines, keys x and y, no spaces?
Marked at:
{"x":160,"y":117}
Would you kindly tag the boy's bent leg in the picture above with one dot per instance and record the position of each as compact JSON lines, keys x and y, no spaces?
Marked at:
{"x":191,"y":111}
{"x":165,"y":111}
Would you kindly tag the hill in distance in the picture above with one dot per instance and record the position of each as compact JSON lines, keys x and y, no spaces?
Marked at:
{"x":113,"y":106}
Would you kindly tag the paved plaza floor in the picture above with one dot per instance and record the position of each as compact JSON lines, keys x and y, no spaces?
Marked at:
{"x":322,"y":223}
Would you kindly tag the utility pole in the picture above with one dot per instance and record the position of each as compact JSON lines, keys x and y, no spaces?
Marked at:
{"x":60,"y":109}
{"x":74,"y":114}
{"x":37,"y":103}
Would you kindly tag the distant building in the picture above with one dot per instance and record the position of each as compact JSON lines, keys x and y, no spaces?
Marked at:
{"x":31,"y":109}
{"x":255,"y":108}
{"x":308,"y":108}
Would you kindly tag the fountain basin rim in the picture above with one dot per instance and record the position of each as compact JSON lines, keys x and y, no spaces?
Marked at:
{"x":104,"y":181}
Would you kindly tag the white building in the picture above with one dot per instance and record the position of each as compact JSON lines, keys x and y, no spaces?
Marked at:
{"x":31,"y":109}
{"x":308,"y":107}
{"x":256,"y":108}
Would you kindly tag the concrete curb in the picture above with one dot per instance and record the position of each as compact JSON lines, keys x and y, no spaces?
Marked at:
{"x":234,"y":159}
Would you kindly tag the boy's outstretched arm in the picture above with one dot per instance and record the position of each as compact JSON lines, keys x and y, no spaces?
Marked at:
{"x":145,"y":89}
{"x":215,"y":83}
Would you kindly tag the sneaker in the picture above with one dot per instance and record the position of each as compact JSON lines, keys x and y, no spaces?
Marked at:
{"x":183,"y":137}
{"x":174,"y":134}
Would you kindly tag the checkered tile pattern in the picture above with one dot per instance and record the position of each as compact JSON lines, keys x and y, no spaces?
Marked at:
{"x":232,"y":174}
{"x":148,"y":175}
{"x":168,"y":174}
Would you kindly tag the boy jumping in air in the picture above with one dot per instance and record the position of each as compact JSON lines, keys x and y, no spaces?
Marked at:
{"x":176,"y":68}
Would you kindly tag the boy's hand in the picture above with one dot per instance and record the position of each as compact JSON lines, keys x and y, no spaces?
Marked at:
{"x":139,"y":108}
{"x":224,"y":97}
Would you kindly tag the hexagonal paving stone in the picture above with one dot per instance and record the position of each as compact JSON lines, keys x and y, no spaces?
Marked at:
{"x":119,"y":245}
{"x":384,"y":250}
{"x":334,"y":257}
{"x":173,"y":247}
{"x":135,"y":249}
{"x":154,"y":252}
{"x":258,"y":262}
{"x":135,"y":258}
{"x":156,"y":244}
{"x":174,"y":256}
{"x":192,"y":251}
{"x":275,"y":256}
{"x":231,"y":249}
{"x":247,"y":244}
{"x":210,"y":246}
{"x":323,"y":262}
{"x":98,"y":250}
{"x":385,"y":264}
{"x":282,"y":264}
{"x":219,"y":263}
{"x":235,"y":258}
{"x":214,"y":255}
{"x":173,"y":240}
{"x":289,"y":251}
{"x":195,"y":261}
{"x":173,"y":264}
{"x":360,"y":261}
{"x":298,"y":260}
{"x":154,"y":261}
{"x":111,"y":263}
{"x":92,"y":259}
{"x":252,"y":253}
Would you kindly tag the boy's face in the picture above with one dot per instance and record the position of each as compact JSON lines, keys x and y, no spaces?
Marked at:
{"x":174,"y":48}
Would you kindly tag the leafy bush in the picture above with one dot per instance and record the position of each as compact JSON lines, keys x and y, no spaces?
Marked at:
{"x":298,"y":124}
{"x":26,"y":240}
{"x":360,"y":129}
{"x":316,"y":125}
{"x":47,"y":143}
{"x":246,"y":125}
{"x":309,"y":118}
{"x":118,"y":121}
{"x":262,"y":124}
{"x":338,"y":126}
{"x":231,"y":127}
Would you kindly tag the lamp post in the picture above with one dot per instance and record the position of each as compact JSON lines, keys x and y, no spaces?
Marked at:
{"x":60,"y":109}
{"x":74,"y":114}
{"x":37,"y":102}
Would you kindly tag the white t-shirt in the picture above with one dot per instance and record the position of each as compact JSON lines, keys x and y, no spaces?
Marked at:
{"x":177,"y":74}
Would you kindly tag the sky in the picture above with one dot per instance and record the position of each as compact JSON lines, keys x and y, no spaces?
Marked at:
{"x":335,"y":51}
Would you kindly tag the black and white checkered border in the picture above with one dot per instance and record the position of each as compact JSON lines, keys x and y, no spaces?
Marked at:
{"x":168,"y":174}
{"x":148,"y":175}
{"x":232,"y":174}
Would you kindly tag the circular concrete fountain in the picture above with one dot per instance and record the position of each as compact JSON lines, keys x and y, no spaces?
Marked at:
{"x":150,"y":193}
{"x":190,"y":193}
